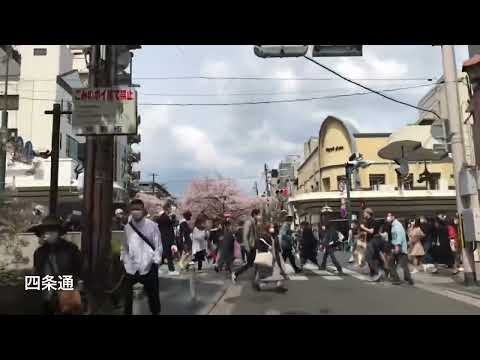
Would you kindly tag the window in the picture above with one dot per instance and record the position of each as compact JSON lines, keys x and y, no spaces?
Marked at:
{"x":434,"y":181}
{"x":60,"y":141}
{"x":72,"y":148}
{"x":376,"y":180}
{"x":340,"y":179}
{"x":39,"y":52}
{"x":406,"y":184}
{"x":326,"y":184}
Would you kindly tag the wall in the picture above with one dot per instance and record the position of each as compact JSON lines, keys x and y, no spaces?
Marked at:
{"x":307,"y":174}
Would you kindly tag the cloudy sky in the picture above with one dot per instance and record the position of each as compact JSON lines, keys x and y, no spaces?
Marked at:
{"x":183,"y":142}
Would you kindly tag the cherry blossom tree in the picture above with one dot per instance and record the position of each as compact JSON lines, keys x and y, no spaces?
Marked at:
{"x":215,"y":197}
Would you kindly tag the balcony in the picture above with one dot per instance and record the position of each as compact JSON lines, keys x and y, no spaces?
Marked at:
{"x":134,"y":157}
{"x":134,"y":139}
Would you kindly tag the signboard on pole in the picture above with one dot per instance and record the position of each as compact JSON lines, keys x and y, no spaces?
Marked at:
{"x":105,"y":111}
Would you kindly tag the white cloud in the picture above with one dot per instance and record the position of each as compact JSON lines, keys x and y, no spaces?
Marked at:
{"x":197,"y":144}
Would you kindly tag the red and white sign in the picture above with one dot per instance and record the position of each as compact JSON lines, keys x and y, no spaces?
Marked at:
{"x":105,"y":111}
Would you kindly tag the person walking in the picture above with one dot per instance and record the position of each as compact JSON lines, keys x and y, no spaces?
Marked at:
{"x":141,"y":254}
{"x":227,"y":248}
{"x":416,"y":251}
{"x":287,"y":243}
{"x":200,"y":236}
{"x":185,"y":234}
{"x":400,"y":252}
{"x":249,"y":241}
{"x":428,"y":228}
{"x":330,"y":243}
{"x":368,"y":223}
{"x":270,"y":274}
{"x":167,"y":232}
{"x":442,"y":252}
{"x":454,"y":243}
{"x":309,"y":245}
{"x":358,"y":241}
{"x":55,"y":259}
{"x":376,"y":255}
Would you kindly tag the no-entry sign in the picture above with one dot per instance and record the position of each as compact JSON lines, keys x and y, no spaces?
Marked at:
{"x":105,"y":111}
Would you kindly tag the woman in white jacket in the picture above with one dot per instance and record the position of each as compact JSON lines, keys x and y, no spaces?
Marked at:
{"x":200,"y":237}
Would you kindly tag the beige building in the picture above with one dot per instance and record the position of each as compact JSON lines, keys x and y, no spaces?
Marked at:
{"x":321,"y":177}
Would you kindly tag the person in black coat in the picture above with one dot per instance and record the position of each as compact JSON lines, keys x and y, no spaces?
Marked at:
{"x":167,"y":233}
{"x":54,"y":258}
{"x":308,"y":244}
{"x":227,"y":249}
{"x":442,"y":252}
{"x":428,"y":228}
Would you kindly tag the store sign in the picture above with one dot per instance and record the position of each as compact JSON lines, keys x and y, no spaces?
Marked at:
{"x":334,"y":148}
{"x":105,"y":111}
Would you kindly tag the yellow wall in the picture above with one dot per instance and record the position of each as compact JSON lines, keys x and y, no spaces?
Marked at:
{"x":307,"y":173}
{"x":335,"y":136}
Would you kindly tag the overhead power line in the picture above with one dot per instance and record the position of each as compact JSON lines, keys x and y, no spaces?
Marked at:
{"x":371,"y":90}
{"x":283,"y":101}
{"x":273,"y":78}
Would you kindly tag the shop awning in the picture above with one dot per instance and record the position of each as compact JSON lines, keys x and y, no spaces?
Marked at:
{"x":413,"y":143}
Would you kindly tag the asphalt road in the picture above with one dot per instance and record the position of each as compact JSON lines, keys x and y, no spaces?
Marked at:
{"x":328,"y":294}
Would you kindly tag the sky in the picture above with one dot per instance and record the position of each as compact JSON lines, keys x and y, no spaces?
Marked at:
{"x":180,"y":143}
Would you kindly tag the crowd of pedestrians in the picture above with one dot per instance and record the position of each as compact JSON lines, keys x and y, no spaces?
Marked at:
{"x":380,"y":247}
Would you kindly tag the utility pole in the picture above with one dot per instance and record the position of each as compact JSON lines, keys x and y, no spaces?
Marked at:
{"x":267,"y":189}
{"x":4,"y":129}
{"x":98,"y":192}
{"x":256,"y":188}
{"x":458,"y":155}
{"x":54,"y":156}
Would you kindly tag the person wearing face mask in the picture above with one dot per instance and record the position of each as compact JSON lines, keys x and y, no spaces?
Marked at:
{"x":140,"y":253}
{"x":249,"y":241}
{"x":167,"y":232}
{"x":56,"y":257}
{"x":400,"y":251}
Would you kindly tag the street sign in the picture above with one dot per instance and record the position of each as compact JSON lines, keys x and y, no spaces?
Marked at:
{"x":336,"y":50}
{"x":12,"y":102}
{"x":105,"y":111}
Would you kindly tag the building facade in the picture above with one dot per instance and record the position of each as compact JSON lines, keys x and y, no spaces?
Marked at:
{"x":37,"y":89}
{"x":322,"y":179}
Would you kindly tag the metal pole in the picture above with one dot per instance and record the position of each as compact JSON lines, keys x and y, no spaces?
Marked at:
{"x":153,"y":184}
{"x":54,"y":158}
{"x":3,"y":154}
{"x":267,"y":190}
{"x":458,"y":154}
{"x":348,"y":171}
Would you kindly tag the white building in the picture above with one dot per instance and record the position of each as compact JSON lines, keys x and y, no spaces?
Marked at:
{"x":38,"y":90}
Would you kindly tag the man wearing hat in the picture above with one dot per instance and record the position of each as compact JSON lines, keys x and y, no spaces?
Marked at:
{"x":55,"y":259}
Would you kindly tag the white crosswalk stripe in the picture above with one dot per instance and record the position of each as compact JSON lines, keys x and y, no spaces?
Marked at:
{"x":332,"y":277}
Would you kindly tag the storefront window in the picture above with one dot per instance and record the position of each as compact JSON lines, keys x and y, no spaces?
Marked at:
{"x":376,"y":180}
{"x":326,"y":184}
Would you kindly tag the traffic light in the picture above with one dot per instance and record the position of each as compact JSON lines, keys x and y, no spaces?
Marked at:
{"x":274,"y":173}
{"x":336,"y":50}
{"x":268,"y":51}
